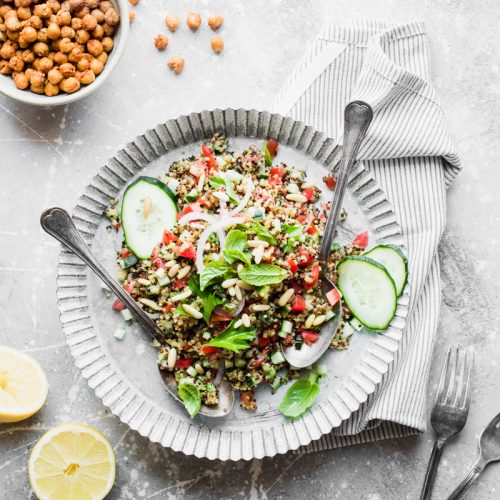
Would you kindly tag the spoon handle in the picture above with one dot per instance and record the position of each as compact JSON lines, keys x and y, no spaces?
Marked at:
{"x":357,"y":117}
{"x":468,"y":481}
{"x":58,"y":223}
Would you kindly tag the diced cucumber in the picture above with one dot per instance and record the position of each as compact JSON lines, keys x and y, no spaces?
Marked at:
{"x":347,"y":331}
{"x":128,"y":261}
{"x":127,"y":316}
{"x":395,"y":261}
{"x":286,"y":328}
{"x":277,"y":358}
{"x":142,"y":226}
{"x":190,"y":370}
{"x":192,"y":195}
{"x":368,"y":290}
{"x":276,"y":383}
{"x":356,"y":324}
{"x":258,"y":213}
{"x":120,"y":332}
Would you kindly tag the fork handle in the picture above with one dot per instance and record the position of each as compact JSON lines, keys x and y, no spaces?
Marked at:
{"x":430,"y":475}
{"x":468,"y":481}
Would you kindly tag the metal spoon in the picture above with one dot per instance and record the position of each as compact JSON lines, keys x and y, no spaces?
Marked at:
{"x":489,"y":451}
{"x":357,"y":117}
{"x":58,"y":223}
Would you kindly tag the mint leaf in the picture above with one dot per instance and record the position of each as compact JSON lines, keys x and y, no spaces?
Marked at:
{"x":214,"y":272}
{"x":299,"y":398}
{"x":236,"y":244}
{"x":263,"y":233}
{"x":210,"y":302}
{"x":219,"y":181}
{"x":294,"y":231}
{"x":263,"y":274}
{"x":190,"y":395}
{"x":180,"y":310}
{"x":234,"y":339}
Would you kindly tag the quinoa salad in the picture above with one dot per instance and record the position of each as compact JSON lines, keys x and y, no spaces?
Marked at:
{"x":222,"y":251}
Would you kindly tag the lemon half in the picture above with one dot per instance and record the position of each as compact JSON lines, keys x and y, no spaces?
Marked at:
{"x":72,"y":462}
{"x":23,"y":385}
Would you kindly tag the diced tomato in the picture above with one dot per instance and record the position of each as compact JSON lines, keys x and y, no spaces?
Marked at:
{"x":168,"y":307}
{"x":309,"y":337}
{"x":302,"y":218}
{"x":198,"y":168}
{"x":209,"y":349}
{"x":247,"y":400}
{"x":312,"y":229}
{"x":178,"y":284}
{"x":306,"y":257}
{"x":361,"y":240}
{"x":168,"y":236}
{"x":129,"y":287}
{"x":188,"y":252}
{"x":272,"y":147}
{"x":292,"y":265}
{"x":333,"y":296}
{"x":308,"y":193}
{"x":330,"y":181}
{"x":182,"y":364}
{"x":190,"y":207}
{"x":299,"y":303}
{"x":154,"y":253}
{"x":158,"y":263}
{"x":118,"y":305}
{"x":209,"y":155}
{"x":277,"y":172}
{"x":263,"y":341}
{"x":125,"y":252}
{"x":314,"y":277}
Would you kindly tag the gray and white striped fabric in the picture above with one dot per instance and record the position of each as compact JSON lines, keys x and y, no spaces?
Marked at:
{"x":410,"y":154}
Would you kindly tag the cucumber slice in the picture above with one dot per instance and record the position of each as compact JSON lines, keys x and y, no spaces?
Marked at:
{"x":395,"y":261}
{"x":142,"y":233}
{"x":368,"y":290}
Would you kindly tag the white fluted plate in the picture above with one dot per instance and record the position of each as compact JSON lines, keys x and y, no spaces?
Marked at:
{"x":124,"y":375}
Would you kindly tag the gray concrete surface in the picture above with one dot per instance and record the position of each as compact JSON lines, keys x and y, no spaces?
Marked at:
{"x":48,"y":156}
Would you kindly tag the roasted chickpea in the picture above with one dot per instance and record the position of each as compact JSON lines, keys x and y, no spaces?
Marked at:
{"x":76,"y":54}
{"x":41,"y":49}
{"x":172,"y":22}
{"x":66,"y":45}
{"x":98,"y":32}
{"x":21,"y":81}
{"x":42,"y":10}
{"x":51,"y":89}
{"x":217,"y":44}
{"x":108,"y":30}
{"x":131,"y":16}
{"x":76,"y":5}
{"x":98,"y":15}
{"x":10,"y":13}
{"x":112,"y":17}
{"x":76,"y":23}
{"x":13,"y":35}
{"x":45,"y":64}
{"x":35,"y":22}
{"x":8,"y":50}
{"x":12,"y":23}
{"x":94,"y":47}
{"x":108,"y":44}
{"x":176,"y":64}
{"x":24,"y":13}
{"x":37,"y":89}
{"x":87,"y":77}
{"x":67,"y":32}
{"x":63,"y":18}
{"x":54,"y":76}
{"x":65,"y":5}
{"x":105,"y":5}
{"x":67,"y":70}
{"x":215,"y":21}
{"x":53,"y":31}
{"x":28,"y":56}
{"x":103,"y":58}
{"x":60,"y":58}
{"x":83,"y":64}
{"x":82,"y":37}
{"x":96,"y":66}
{"x":42,"y":35}
{"x":92,"y":4}
{"x":36,"y":78}
{"x":161,"y":42}
{"x":16,"y":64}
{"x":4,"y":68}
{"x":4,"y":9}
{"x":82,"y":12}
{"x":69,"y":85}
{"x":89,"y":22}
{"x":193,"y":20}
{"x":23,"y":3}
{"x":54,"y":6}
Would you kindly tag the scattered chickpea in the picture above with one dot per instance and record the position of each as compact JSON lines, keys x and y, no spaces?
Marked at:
{"x":131,"y":16}
{"x":215,"y":21}
{"x":161,"y":42}
{"x":21,"y":81}
{"x":134,"y":2}
{"x":176,"y":64}
{"x":172,"y":22}
{"x":193,"y":20}
{"x":217,"y":44}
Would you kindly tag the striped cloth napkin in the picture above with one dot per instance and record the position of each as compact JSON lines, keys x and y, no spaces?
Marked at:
{"x":410,"y":154}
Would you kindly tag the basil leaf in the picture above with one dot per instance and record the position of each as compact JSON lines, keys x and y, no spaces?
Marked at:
{"x":234,"y":339}
{"x":210,"y":302}
{"x":293,"y":230}
{"x":267,"y":155}
{"x":263,"y":274}
{"x":236,"y":244}
{"x":299,"y":398}
{"x":190,"y":395}
{"x":214,"y":272}
{"x":263,"y":233}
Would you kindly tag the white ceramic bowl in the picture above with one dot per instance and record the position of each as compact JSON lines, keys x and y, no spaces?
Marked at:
{"x":8,"y":88}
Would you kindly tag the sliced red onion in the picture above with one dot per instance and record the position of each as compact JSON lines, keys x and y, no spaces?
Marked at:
{"x":239,"y":308}
{"x":246,"y":198}
{"x":196,"y":216}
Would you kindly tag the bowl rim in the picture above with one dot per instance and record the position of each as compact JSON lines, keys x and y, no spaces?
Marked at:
{"x":28,"y":97}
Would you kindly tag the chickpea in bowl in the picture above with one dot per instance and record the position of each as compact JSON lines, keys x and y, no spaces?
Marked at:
{"x":54,"y":52}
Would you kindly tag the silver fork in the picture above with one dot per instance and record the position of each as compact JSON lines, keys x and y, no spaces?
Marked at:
{"x":489,"y":451}
{"x":451,"y":408}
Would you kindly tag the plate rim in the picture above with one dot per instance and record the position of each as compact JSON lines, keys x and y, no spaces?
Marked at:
{"x":118,"y":394}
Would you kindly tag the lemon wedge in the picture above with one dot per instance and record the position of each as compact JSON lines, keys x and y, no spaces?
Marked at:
{"x":23,"y":385}
{"x":72,"y":462}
